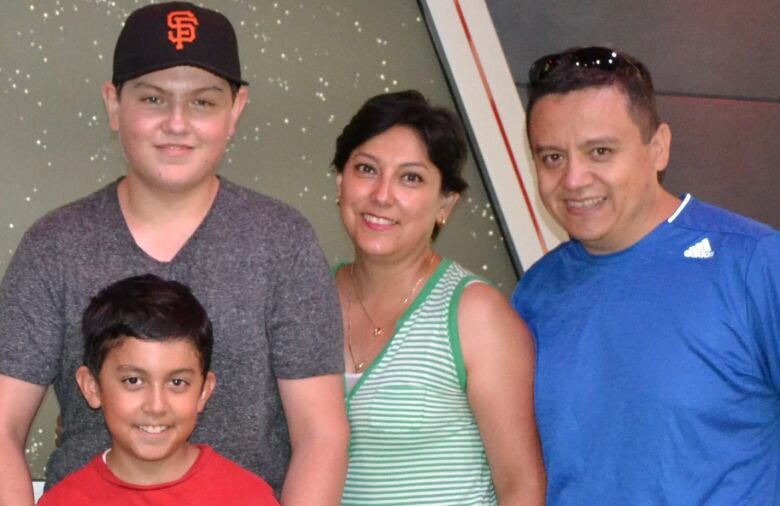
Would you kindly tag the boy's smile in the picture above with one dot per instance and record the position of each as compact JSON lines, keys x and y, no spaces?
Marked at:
{"x":150,"y":393}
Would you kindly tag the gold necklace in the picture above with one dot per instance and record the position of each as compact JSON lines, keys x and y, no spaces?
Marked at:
{"x":377,"y":330}
{"x":358,"y":366}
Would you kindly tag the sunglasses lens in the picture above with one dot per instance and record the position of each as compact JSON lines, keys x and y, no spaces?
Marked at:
{"x":542,"y":67}
{"x":599,"y":57}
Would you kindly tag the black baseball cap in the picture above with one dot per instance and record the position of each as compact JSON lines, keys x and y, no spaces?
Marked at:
{"x":170,"y":34}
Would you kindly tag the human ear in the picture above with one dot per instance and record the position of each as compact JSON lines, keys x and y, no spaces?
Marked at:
{"x":111,"y":101}
{"x":339,"y":177}
{"x":242,"y":96}
{"x":660,"y":145}
{"x":89,"y":386}
{"x":208,"y":388}
{"x":446,"y":206}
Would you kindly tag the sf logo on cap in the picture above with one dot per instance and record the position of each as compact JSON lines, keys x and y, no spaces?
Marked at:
{"x":182,"y":27}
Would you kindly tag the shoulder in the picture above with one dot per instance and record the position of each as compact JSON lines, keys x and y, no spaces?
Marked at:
{"x":230,"y":475}
{"x":262,"y":226}
{"x":488,"y":327}
{"x":474,"y":295}
{"x":482,"y":307}
{"x":545,"y":276}
{"x":700,"y":216}
{"x":245,"y":206}
{"x":65,"y":235}
{"x":735,"y":239}
{"x":547,"y":268}
{"x":73,"y":489}
{"x":72,"y":219}
{"x":479,"y":298}
{"x":551,"y":260}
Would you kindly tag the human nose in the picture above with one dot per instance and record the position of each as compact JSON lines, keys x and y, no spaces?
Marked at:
{"x":577,"y":174}
{"x":383,"y":191}
{"x":155,"y":401}
{"x":176,"y":119}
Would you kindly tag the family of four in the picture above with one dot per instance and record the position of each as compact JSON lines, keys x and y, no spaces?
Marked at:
{"x":203,"y":352}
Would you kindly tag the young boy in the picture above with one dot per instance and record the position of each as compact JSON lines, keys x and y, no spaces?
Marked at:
{"x":146,"y":365}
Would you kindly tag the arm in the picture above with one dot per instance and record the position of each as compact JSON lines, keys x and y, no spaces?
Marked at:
{"x":498,"y":353}
{"x":319,"y":435}
{"x":19,"y":401}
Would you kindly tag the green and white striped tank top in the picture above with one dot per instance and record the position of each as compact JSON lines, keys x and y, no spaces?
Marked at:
{"x":414,"y":439}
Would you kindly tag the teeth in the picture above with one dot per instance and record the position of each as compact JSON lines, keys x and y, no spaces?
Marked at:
{"x":377,"y":220}
{"x":585,"y":202}
{"x":153,"y":429}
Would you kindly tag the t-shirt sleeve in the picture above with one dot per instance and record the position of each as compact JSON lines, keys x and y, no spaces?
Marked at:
{"x":30,"y":323}
{"x":53,"y":497}
{"x":305,"y":327}
{"x":521,"y":298}
{"x":763,"y":300}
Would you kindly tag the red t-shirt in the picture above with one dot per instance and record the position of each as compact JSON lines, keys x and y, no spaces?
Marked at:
{"x":212,"y":480}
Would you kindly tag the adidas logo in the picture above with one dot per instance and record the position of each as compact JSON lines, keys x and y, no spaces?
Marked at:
{"x":701,"y":249}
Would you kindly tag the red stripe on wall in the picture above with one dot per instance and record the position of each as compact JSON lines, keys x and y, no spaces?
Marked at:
{"x":500,"y":123}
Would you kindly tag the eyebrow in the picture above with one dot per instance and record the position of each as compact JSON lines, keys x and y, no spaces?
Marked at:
{"x":598,"y":141}
{"x":543,"y":147}
{"x":135,"y":369}
{"x":184,"y":370}
{"x":405,"y":164}
{"x":130,"y":368}
{"x":144,"y":84}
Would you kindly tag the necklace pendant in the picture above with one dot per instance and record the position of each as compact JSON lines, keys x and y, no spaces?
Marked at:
{"x":377,"y":331}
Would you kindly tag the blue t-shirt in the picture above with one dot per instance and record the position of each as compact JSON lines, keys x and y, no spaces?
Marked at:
{"x":658,"y":373}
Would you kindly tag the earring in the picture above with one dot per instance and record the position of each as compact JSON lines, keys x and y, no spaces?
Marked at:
{"x":442,"y":222}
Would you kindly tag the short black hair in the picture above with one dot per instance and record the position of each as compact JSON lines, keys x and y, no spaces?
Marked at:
{"x":438,"y":128}
{"x":144,"y":307}
{"x":631,"y":77}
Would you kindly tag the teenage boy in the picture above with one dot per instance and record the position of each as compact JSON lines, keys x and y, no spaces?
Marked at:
{"x":175,"y":98}
{"x":658,"y":324}
{"x":147,"y":352}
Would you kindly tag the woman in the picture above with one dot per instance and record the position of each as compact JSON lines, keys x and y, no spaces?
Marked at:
{"x":439,"y":366}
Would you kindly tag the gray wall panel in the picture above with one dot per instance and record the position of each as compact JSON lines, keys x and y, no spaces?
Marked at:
{"x":726,"y":152}
{"x":711,"y":48}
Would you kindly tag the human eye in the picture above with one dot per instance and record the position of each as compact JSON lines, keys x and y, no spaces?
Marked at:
{"x":551,"y":159}
{"x":364,"y":168}
{"x":602,"y":154}
{"x":179,"y":384}
{"x":203,"y":103}
{"x":132,"y":382}
{"x":152,"y":100}
{"x":412,"y":178}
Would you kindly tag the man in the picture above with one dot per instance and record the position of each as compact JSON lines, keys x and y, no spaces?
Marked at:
{"x":658,"y":323}
{"x":175,"y":99}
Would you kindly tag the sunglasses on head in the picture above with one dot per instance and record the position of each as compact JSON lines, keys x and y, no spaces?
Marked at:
{"x":601,"y":58}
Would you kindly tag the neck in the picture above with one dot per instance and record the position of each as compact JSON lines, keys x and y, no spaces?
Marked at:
{"x":159,"y":206}
{"x":162,"y":222}
{"x":374,"y":275}
{"x":657,"y":210}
